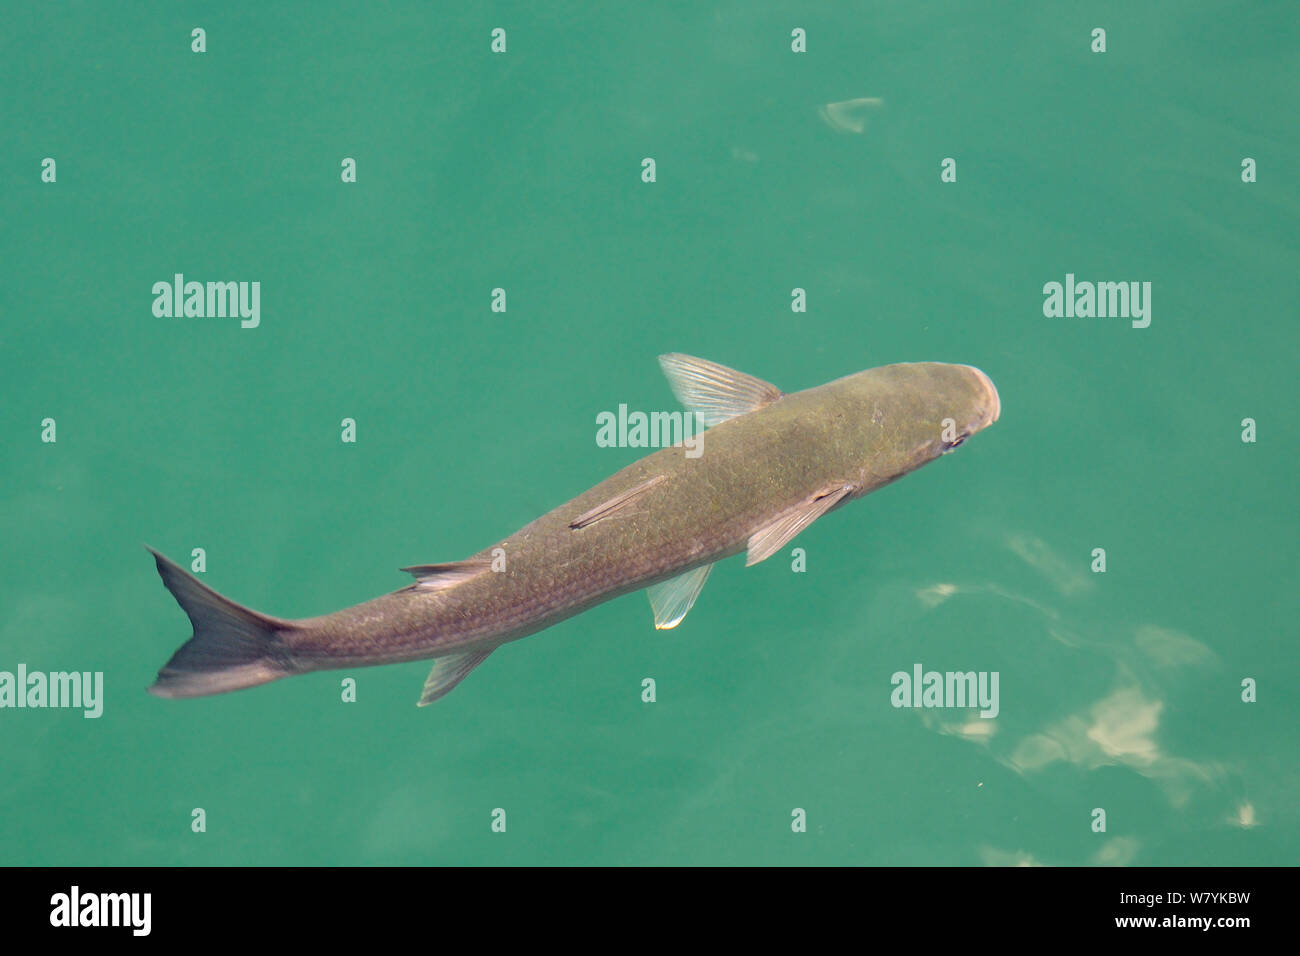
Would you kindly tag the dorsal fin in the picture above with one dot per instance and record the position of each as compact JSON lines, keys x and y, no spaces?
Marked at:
{"x":715,"y":392}
{"x":616,"y":504}
{"x":435,"y":577}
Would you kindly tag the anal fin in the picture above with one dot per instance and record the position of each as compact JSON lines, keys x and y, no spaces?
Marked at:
{"x":672,"y":599}
{"x":448,"y":672}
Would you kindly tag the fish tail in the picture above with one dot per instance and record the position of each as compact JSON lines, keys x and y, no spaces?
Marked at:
{"x":232,"y":647}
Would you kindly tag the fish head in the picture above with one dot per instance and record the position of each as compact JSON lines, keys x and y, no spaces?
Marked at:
{"x":910,"y":414}
{"x":975,"y":400}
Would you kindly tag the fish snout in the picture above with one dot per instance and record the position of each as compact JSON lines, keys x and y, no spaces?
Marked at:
{"x":991,"y":404}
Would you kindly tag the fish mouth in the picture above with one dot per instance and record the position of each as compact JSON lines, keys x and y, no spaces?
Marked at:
{"x":991,"y":396}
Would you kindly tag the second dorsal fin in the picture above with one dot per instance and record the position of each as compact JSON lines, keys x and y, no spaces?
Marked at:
{"x":435,"y":577}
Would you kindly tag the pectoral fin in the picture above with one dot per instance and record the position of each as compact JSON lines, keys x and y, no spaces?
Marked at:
{"x":768,"y":540}
{"x":448,"y":672}
{"x":672,"y":599}
{"x":713,"y":391}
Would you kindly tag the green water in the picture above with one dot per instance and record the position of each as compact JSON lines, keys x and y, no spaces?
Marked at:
{"x":1119,"y":690}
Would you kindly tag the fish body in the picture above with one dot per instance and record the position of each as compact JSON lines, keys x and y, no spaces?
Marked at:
{"x":771,"y":464}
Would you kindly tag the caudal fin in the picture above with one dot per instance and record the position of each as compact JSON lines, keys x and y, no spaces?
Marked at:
{"x":232,"y":647}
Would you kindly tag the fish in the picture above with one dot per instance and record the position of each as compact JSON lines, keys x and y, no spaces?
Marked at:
{"x":771,"y":464}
